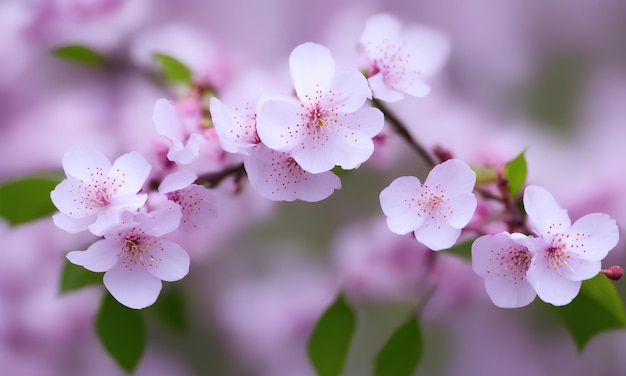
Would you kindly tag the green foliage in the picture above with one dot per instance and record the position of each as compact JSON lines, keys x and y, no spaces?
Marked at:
{"x":596,"y":308}
{"x":26,"y":199}
{"x":402,"y":352}
{"x":515,"y":171}
{"x":122,"y":333}
{"x":463,"y":249}
{"x":173,"y":69}
{"x":78,"y":54}
{"x":171,"y":308}
{"x":485,"y":174}
{"x":75,"y":277}
{"x":330,"y":341}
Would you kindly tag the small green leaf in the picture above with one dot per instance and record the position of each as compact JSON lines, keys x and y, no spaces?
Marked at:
{"x":121,"y":331}
{"x":596,"y":308}
{"x":26,"y":199}
{"x":463,"y":249}
{"x":173,"y":69}
{"x":330,"y":341}
{"x":78,"y":54}
{"x":402,"y":352}
{"x":171,"y":307}
{"x":74,"y":277}
{"x":515,"y":172}
{"x":485,"y":174}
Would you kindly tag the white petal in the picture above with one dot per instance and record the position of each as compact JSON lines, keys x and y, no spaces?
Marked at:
{"x":198,"y":207}
{"x":279,"y":124}
{"x":236,"y":133}
{"x":437,"y":235}
{"x":99,"y":257}
{"x":312,"y":69}
{"x":81,"y":161}
{"x":166,"y":120}
{"x":463,"y":206}
{"x":414,"y":87}
{"x":71,"y":224}
{"x":171,"y":261}
{"x":593,"y":236}
{"x":67,"y":196}
{"x":368,"y":120}
{"x":382,"y":91}
{"x":162,"y":221}
{"x":129,"y":172}
{"x":107,"y":219}
{"x":399,"y":203}
{"x":378,"y":28}
{"x":135,"y":289}
{"x":276,"y":176}
{"x":545,"y":216}
{"x":506,"y":295}
{"x":349,"y":90}
{"x":549,"y":284}
{"x":177,"y":180}
{"x":429,"y":49}
{"x":454,"y":175}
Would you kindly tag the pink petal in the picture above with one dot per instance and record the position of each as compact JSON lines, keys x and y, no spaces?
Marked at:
{"x":348,"y":92}
{"x":279,"y":124}
{"x":500,"y":259}
{"x":177,"y":180}
{"x":236,"y":133}
{"x":414,"y":87}
{"x":81,"y":161}
{"x":454,"y":175}
{"x":198,"y":207}
{"x":276,"y":176}
{"x":545,"y":216}
{"x":429,"y":49}
{"x":65,"y":195}
{"x":593,"y":236}
{"x":135,"y":289}
{"x":129,"y":172}
{"x":463,"y":207}
{"x":378,"y":29}
{"x":399,"y":203}
{"x":312,"y":69}
{"x":166,"y":120}
{"x":550,"y":285}
{"x":437,"y":236}
{"x":368,"y":120}
{"x":382,"y":91}
{"x":71,"y":224}
{"x":161,"y":221}
{"x":99,"y":257}
{"x":106,"y":220}
{"x":171,"y":261}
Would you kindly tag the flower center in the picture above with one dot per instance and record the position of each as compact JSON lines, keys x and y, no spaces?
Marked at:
{"x":557,"y":252}
{"x":135,"y":251}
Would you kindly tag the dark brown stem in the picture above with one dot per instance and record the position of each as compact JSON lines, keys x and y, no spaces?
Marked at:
{"x":213,"y":179}
{"x":399,"y":127}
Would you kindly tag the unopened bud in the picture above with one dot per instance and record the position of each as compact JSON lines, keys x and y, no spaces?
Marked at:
{"x":615,"y":272}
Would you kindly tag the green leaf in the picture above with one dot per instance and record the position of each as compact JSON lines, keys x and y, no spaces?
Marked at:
{"x":330,"y":341}
{"x":171,"y":307}
{"x":78,"y":54}
{"x":485,"y":174}
{"x":596,"y":308}
{"x":463,"y":249}
{"x":173,"y":69}
{"x":401,"y":354}
{"x":515,"y":171}
{"x":121,"y":331}
{"x":26,"y":199}
{"x":74,"y":277}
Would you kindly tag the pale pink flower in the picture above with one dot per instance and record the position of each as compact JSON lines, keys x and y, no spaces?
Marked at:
{"x":503,"y":260}
{"x":236,"y":130}
{"x":437,"y":210}
{"x":400,"y":58}
{"x":136,"y":258}
{"x":564,"y":254}
{"x":327,"y":125}
{"x":95,"y":193}
{"x":184,"y":139}
{"x":197,"y":203}
{"x":277,"y":176}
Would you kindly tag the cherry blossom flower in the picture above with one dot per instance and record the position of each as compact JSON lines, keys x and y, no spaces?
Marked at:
{"x":277,"y":176}
{"x":503,"y":260}
{"x":400,"y":58}
{"x":327,"y":125}
{"x":196,"y":202}
{"x":564,"y":254}
{"x":136,"y":258}
{"x":95,"y":193}
{"x":273,"y":174}
{"x":437,"y":210}
{"x":184,"y":140}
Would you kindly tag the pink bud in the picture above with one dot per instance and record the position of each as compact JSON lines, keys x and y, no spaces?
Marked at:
{"x":615,"y":272}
